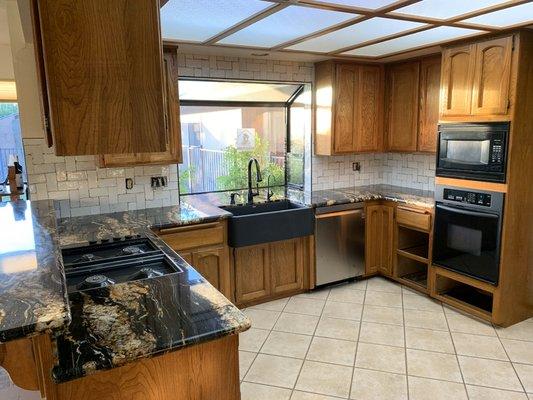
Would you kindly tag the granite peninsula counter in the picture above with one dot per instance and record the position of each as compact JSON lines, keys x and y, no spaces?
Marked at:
{"x":104,"y":328}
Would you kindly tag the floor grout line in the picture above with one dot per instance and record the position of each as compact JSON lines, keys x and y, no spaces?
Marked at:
{"x":456,"y":356}
{"x":321,"y":317}
{"x":512,"y":365}
{"x":357,"y":347}
{"x":405,"y":351}
{"x":309,"y":347}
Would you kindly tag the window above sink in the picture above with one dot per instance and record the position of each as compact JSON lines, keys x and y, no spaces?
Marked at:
{"x":225,"y":123}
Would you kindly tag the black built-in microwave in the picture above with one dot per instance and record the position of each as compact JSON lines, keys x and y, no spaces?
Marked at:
{"x":476,"y":151}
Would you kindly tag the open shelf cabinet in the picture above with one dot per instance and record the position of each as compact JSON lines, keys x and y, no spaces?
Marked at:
{"x":464,"y":293}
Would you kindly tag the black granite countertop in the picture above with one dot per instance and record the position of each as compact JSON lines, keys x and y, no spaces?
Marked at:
{"x":104,"y":328}
{"x":125,"y":322}
{"x":32,"y":284}
{"x":122,"y":323}
{"x":414,"y":197}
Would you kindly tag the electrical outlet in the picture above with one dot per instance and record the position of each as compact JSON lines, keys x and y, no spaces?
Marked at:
{"x":158,"y":181}
{"x":129,"y":183}
{"x":356,"y":166}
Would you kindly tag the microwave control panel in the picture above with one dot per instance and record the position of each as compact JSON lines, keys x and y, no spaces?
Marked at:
{"x":497,"y":151}
{"x":464,"y":196}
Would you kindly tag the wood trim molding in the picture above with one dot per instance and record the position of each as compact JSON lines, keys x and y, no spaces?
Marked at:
{"x":468,"y":184}
{"x":247,"y":22}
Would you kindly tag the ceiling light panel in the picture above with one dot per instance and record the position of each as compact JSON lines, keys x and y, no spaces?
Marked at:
{"x":369,"y":4}
{"x":198,"y":20}
{"x":424,"y":38}
{"x":440,"y":9}
{"x":287,"y":24}
{"x":507,"y":17}
{"x":355,"y":34}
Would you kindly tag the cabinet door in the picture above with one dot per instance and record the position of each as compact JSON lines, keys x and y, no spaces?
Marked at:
{"x":369,"y":109}
{"x":373,"y":239}
{"x":213,"y":265}
{"x":429,"y":104}
{"x":104,"y":75}
{"x":387,"y":237}
{"x":252,"y":273}
{"x":344,"y":128}
{"x":287,"y":265}
{"x":457,"y":81}
{"x":402,"y":108}
{"x":173,"y":137}
{"x":490,"y":95}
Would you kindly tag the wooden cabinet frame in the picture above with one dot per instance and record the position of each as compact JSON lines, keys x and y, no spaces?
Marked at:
{"x":104,"y":87}
{"x":349,"y":108}
{"x":273,"y":270}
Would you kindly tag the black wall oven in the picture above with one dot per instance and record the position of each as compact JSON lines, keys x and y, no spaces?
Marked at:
{"x":467,"y":232}
{"x":473,"y":151}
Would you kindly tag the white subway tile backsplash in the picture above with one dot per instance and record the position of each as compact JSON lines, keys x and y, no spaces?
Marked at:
{"x":82,"y":188}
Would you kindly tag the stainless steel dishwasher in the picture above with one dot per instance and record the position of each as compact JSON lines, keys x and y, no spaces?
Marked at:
{"x":340,"y":243}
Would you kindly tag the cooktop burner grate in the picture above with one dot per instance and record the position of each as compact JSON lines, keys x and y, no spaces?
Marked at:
{"x":121,"y":260}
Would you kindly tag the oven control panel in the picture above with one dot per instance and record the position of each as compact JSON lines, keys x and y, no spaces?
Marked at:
{"x":464,"y":196}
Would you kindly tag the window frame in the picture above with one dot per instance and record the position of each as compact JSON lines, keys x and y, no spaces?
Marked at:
{"x":283,"y":104}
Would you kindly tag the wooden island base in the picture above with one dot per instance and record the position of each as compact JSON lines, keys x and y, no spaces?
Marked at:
{"x":199,"y":372}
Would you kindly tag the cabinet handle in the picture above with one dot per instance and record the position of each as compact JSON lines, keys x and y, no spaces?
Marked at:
{"x":165,"y":231}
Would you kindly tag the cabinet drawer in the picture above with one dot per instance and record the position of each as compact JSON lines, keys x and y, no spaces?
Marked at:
{"x":420,"y":219}
{"x":188,"y":237}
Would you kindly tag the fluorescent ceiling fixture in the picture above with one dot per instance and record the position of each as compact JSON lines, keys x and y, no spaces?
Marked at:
{"x":370,"y":4}
{"x":359,"y":33}
{"x":424,"y":38}
{"x":287,"y":24}
{"x":236,"y":91}
{"x":444,"y":9}
{"x":506,"y":17}
{"x":198,"y":20}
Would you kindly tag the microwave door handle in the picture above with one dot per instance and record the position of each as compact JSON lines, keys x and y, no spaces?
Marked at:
{"x":467,"y":212}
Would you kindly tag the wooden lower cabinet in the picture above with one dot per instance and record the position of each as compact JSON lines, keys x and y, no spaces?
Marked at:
{"x":269,"y":270}
{"x":252,"y":273}
{"x":213,"y":265}
{"x":208,"y":370}
{"x":204,"y":246}
{"x":287,"y":266}
{"x":379,"y":235}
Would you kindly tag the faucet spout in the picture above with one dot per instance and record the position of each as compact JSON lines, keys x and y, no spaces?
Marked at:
{"x":251,"y":193}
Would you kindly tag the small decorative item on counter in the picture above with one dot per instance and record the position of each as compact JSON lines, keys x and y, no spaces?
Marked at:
{"x":14,"y":174}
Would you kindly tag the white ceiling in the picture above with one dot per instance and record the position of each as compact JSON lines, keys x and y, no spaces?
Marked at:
{"x":362,"y":29}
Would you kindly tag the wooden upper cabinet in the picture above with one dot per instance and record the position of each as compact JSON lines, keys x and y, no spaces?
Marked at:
{"x":173,"y":152}
{"x":344,"y":124}
{"x":104,"y":75}
{"x":369,"y":109}
{"x":457,"y":80}
{"x":430,"y":69}
{"x":402,"y":106}
{"x":349,"y":108}
{"x":476,"y":81}
{"x":490,"y":94}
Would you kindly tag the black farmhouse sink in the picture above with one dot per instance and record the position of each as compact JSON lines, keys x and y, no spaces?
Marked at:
{"x":268,"y":222}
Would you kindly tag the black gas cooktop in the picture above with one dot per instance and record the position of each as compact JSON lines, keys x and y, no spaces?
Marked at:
{"x":110,"y":261}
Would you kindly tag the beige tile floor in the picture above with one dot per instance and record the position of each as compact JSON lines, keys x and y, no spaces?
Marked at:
{"x":373,"y":340}
{"x":378,"y":340}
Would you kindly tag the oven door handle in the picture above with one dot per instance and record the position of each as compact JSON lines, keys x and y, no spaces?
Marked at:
{"x":467,"y":212}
